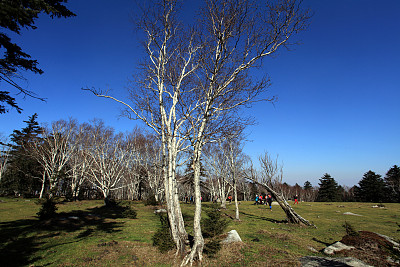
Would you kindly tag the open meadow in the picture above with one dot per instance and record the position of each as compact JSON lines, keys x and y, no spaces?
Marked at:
{"x":86,"y":234}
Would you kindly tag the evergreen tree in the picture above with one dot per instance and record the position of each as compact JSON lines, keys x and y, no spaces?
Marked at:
{"x":15,"y":15}
{"x":328,"y":189}
{"x":188,"y":177}
{"x":371,"y":188}
{"x":21,"y":174}
{"x":307,"y":186}
{"x":392,"y":180}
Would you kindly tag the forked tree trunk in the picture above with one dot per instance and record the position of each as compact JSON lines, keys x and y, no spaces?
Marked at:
{"x":178,"y":231}
{"x":222,"y":195}
{"x":196,"y":252}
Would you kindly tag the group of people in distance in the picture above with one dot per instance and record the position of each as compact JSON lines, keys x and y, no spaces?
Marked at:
{"x":267,"y":199}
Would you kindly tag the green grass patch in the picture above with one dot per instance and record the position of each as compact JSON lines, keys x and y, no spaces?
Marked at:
{"x":84,"y":233}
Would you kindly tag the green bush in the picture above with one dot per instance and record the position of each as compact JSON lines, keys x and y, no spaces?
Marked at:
{"x":151,"y":201}
{"x":162,"y":238}
{"x":48,"y":209}
{"x":212,"y":247}
{"x":215,"y":224}
{"x":129,"y":213}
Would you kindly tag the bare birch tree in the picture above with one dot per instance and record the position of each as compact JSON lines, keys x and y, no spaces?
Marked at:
{"x":80,"y":161}
{"x":110,"y":158}
{"x":194,"y":82}
{"x":170,"y":51}
{"x":270,"y":178}
{"x":236,"y":159}
{"x":58,"y":144}
{"x":236,"y":36}
{"x":4,"y":155}
{"x":219,"y":171}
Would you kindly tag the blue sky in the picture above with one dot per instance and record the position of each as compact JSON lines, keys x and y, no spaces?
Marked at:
{"x":338,"y":109}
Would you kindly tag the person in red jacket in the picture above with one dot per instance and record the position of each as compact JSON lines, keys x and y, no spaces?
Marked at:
{"x":296,"y":200}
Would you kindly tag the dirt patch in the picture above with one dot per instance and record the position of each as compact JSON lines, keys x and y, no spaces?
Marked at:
{"x":372,"y":249}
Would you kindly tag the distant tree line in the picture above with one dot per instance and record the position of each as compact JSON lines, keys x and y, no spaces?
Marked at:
{"x":90,"y":160}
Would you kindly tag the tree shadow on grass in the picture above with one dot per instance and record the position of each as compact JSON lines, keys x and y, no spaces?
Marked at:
{"x":322,"y":242}
{"x":21,"y":239}
{"x":17,"y":246}
{"x":263,"y":218}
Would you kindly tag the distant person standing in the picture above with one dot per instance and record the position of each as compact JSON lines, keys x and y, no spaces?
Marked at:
{"x":296,"y":200}
{"x":269,"y":201}
{"x":256,"y":200}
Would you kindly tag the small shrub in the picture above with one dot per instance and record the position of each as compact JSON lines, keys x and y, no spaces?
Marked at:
{"x":129,"y":213}
{"x":212,"y":247}
{"x":151,"y":201}
{"x":110,"y":202}
{"x":162,"y":238}
{"x":48,"y":209}
{"x":215,"y":224}
{"x":350,"y":230}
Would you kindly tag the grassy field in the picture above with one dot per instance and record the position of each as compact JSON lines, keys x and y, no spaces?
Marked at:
{"x":88,"y":235}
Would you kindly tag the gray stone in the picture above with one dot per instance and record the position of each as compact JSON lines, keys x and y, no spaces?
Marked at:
{"x":389,"y":239}
{"x":312,"y":249}
{"x":313,"y":261}
{"x":160,"y":211}
{"x":350,"y":213}
{"x":233,"y":236}
{"x":336,"y":247}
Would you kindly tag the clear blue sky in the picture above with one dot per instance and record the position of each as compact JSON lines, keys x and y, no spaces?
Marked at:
{"x":338,"y":110}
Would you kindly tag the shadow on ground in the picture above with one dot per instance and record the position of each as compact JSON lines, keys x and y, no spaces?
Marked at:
{"x":21,"y":239}
{"x":263,"y":218}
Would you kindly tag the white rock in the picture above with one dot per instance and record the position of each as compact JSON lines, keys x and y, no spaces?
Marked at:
{"x":313,"y":261}
{"x":336,"y":247}
{"x":160,"y":211}
{"x":233,"y":236}
{"x":389,"y":239}
{"x":350,"y":213}
{"x":312,"y":249}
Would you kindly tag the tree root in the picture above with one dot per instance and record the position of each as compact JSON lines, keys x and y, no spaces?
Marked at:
{"x":196,"y":254}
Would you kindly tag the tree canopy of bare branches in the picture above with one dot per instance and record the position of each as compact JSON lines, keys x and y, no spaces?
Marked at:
{"x":197,"y":76}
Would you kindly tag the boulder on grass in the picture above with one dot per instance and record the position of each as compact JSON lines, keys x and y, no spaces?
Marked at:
{"x":336,"y":247}
{"x":233,"y":236}
{"x":160,"y":211}
{"x":313,"y":261}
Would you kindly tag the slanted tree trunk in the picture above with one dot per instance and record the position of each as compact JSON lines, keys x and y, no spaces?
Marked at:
{"x":291,"y":215}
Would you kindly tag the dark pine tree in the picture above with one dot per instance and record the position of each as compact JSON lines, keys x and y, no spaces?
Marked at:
{"x":189,"y":173}
{"x":15,"y":15}
{"x":307,"y":186}
{"x":392,"y":180}
{"x":371,"y":188}
{"x":328,"y":189}
{"x":21,"y":175}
